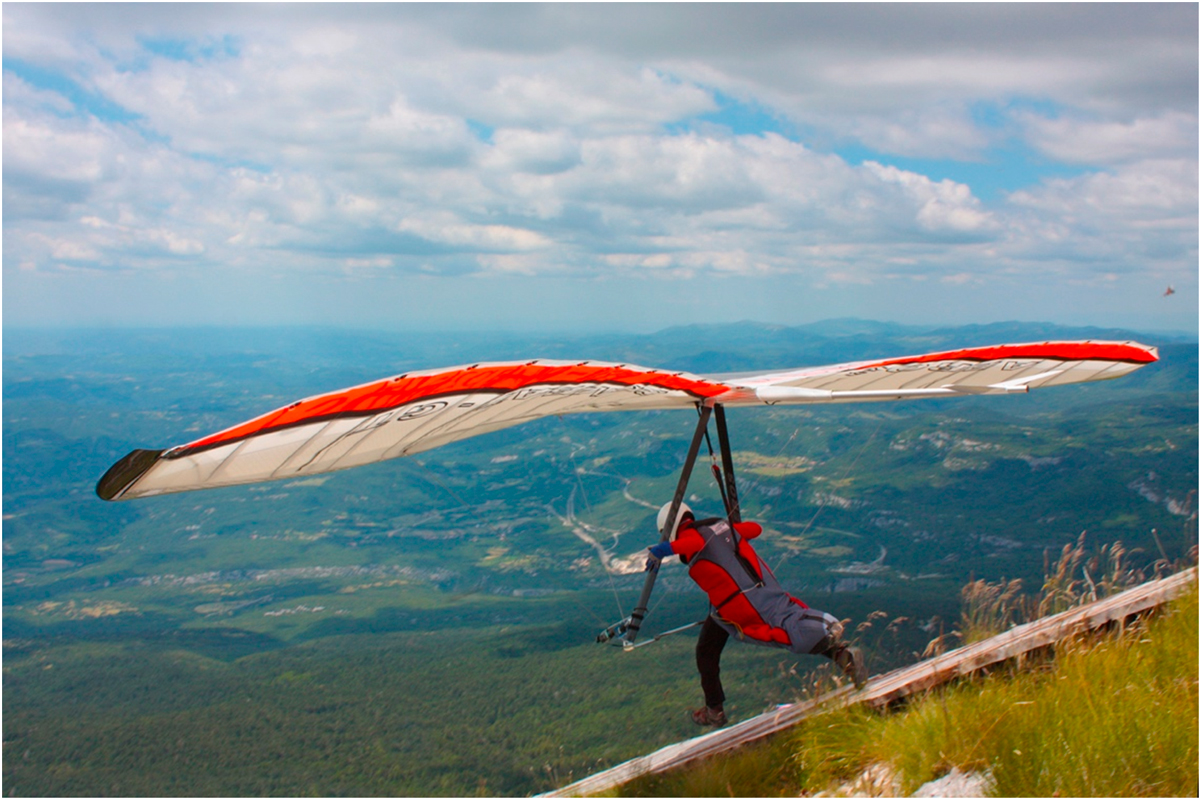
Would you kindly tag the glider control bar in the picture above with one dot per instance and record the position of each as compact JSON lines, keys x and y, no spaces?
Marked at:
{"x":664,"y":634}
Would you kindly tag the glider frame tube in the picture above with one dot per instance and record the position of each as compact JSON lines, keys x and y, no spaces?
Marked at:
{"x":729,"y":493}
{"x":639,"y":612}
{"x":732,"y":508}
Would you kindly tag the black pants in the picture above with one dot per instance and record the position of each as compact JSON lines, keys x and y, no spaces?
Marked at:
{"x":708,"y":661}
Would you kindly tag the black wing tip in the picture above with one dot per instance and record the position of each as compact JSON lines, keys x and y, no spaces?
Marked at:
{"x":125,"y":472}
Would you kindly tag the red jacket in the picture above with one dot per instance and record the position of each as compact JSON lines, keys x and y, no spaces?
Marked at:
{"x":733,"y":607}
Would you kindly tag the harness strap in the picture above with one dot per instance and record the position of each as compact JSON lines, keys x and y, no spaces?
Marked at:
{"x":735,"y":595}
{"x":754,"y":578}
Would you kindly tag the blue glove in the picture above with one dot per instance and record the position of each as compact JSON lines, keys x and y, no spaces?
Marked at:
{"x":662,"y":549}
{"x":657,"y":553}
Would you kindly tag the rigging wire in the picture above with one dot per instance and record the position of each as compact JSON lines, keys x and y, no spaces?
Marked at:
{"x":574,"y":464}
{"x":570,"y":519}
{"x":615,"y":593}
{"x":826,"y":497}
{"x":432,"y":477}
{"x":589,"y":609}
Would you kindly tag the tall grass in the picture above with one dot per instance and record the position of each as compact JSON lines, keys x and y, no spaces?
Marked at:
{"x":1111,"y":715}
{"x":1076,"y":578}
{"x":990,"y":609}
{"x":1114,"y":716}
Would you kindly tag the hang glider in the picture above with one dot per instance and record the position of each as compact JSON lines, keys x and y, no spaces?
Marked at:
{"x":418,"y":411}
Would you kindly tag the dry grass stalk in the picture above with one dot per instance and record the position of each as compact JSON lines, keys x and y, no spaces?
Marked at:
{"x":1075,"y":578}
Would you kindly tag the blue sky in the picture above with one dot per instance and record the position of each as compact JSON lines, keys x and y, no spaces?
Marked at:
{"x":599,"y":167}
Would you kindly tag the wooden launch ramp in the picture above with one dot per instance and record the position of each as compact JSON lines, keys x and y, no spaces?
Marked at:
{"x":887,"y":688}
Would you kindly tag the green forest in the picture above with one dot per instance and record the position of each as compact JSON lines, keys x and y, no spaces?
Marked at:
{"x":426,"y":626}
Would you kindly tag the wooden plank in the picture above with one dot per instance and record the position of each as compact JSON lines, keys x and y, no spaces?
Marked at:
{"x":887,"y":688}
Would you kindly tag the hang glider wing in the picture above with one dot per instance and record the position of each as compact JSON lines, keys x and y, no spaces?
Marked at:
{"x":398,"y":416}
{"x":418,"y":411}
{"x":1002,"y":369}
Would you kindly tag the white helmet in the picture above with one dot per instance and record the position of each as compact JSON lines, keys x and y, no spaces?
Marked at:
{"x":664,"y":511}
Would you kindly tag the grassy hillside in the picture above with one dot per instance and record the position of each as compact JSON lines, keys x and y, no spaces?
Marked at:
{"x":1114,"y":715}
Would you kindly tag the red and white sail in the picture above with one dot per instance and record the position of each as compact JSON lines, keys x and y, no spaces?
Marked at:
{"x":418,"y":411}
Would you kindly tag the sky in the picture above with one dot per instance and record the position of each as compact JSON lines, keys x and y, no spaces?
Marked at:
{"x":607,"y":167}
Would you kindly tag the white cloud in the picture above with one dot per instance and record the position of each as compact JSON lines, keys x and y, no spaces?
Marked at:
{"x":523,"y":151}
{"x":56,"y":153}
{"x":572,"y":92}
{"x":18,"y":92}
{"x":682,"y":173}
{"x":1090,"y":141}
{"x":1145,"y":192}
{"x":445,"y":229}
{"x":944,"y":205}
{"x":373,"y":140}
{"x":938,"y":132}
{"x":1141,"y":217}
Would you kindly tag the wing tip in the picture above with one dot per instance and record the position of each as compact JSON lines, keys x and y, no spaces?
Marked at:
{"x":125,"y":472}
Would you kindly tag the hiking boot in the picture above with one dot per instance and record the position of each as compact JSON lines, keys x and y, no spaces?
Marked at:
{"x":850,"y":660}
{"x":710,"y":717}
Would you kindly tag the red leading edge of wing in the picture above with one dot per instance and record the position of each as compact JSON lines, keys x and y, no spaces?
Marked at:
{"x":1053,"y":350}
{"x":383,"y":395}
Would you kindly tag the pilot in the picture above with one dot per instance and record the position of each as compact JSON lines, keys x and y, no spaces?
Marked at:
{"x":747,"y":602}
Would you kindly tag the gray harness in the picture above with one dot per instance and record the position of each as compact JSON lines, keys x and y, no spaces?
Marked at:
{"x":806,"y":628}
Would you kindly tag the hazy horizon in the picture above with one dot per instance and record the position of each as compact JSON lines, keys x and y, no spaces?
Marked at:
{"x":513,"y":331}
